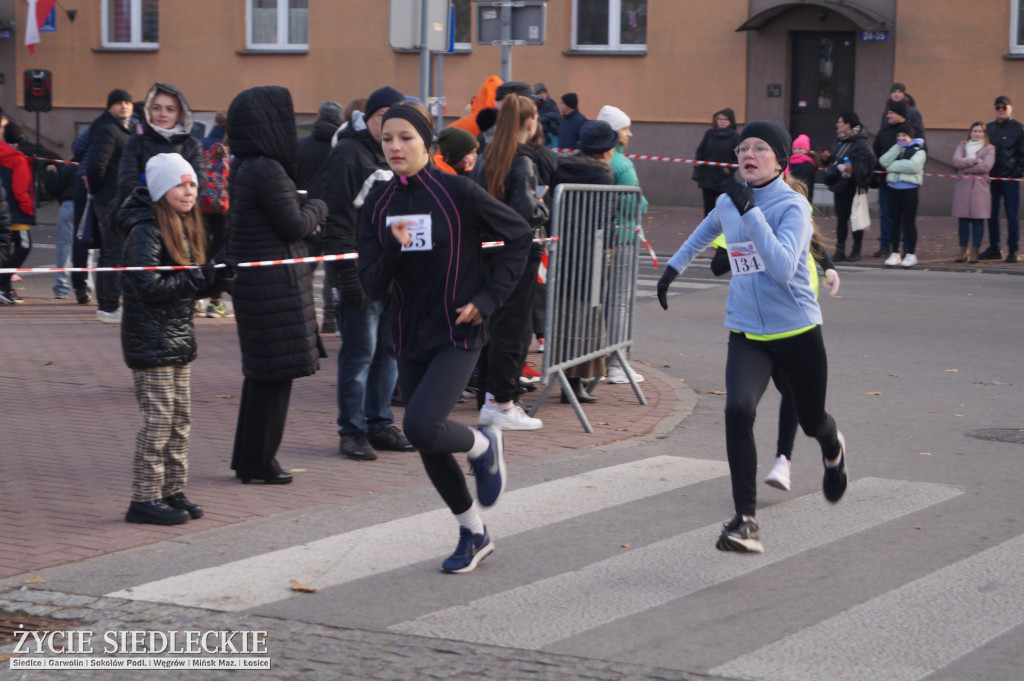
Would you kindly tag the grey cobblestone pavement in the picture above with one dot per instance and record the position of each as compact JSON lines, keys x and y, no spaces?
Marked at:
{"x":307,"y":652}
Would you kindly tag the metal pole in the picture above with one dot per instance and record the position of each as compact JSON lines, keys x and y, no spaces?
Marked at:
{"x":439,"y":93}
{"x":424,"y":52}
{"x":35,"y":164}
{"x":506,"y":42}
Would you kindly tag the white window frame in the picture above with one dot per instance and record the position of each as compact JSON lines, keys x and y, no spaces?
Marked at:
{"x":614,"y":31}
{"x":1016,"y":10}
{"x":282,"y":43}
{"x":136,"y":41}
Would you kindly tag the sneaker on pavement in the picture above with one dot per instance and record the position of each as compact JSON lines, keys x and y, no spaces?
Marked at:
{"x":991,"y":253}
{"x":530,"y":373}
{"x":834,"y":483}
{"x":778,"y":476}
{"x":540,"y":345}
{"x":489,"y":469}
{"x":109,"y":317}
{"x":356,"y":447}
{"x":742,"y":536}
{"x":909,"y":260}
{"x":509,"y":416}
{"x":390,"y":438}
{"x":472,"y":549}
{"x":893,"y":260}
{"x":217,"y":309}
{"x":83,"y":296}
{"x":617,"y":374}
{"x":1011,"y":256}
{"x":882,"y":253}
{"x":15,"y":296}
{"x":5,"y":298}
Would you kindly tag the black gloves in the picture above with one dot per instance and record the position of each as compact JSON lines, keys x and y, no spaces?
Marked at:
{"x":741,"y":194}
{"x":667,"y":277}
{"x":230,"y":269}
{"x":353,"y":296}
{"x":720,"y":262}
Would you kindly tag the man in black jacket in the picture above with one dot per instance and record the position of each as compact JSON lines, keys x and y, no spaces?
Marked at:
{"x":1008,"y":137}
{"x":109,"y":134}
{"x":550,"y":116}
{"x":367,"y":368}
{"x":895,"y":116}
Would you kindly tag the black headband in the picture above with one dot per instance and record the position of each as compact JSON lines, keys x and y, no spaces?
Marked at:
{"x":417,"y":119}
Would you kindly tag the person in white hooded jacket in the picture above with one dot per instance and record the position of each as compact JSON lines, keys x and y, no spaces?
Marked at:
{"x":772,"y":315}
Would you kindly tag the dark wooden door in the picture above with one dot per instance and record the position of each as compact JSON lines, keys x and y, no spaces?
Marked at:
{"x":822,"y":87}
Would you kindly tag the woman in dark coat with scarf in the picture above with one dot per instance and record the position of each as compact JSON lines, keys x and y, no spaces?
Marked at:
{"x":717,"y":145}
{"x":166,"y":129}
{"x":274,"y":307}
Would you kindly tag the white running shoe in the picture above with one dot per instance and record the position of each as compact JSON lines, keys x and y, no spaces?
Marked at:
{"x":508,"y":416}
{"x":893,"y":260}
{"x":778,"y":476}
{"x":910,"y":260}
{"x":109,"y":317}
{"x":617,"y":374}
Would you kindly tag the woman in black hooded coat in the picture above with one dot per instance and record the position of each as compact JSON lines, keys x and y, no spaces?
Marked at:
{"x":274,"y":308}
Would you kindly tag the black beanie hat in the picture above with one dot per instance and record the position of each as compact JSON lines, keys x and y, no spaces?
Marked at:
{"x":777,"y":137}
{"x":905,"y":128}
{"x":597,"y":137}
{"x":118,"y":95}
{"x":899,"y":108}
{"x":850,"y":118}
{"x":384,"y":97}
{"x":486,"y":118}
{"x":511,"y":88}
{"x":571,"y":100}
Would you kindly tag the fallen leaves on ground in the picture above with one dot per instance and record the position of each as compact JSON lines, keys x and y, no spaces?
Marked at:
{"x":300,"y":588}
{"x":34,"y":580}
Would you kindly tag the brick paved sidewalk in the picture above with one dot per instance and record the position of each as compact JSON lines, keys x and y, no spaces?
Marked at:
{"x":69,"y":417}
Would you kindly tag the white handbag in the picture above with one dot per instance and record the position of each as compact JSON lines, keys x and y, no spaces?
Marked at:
{"x":860,"y":216}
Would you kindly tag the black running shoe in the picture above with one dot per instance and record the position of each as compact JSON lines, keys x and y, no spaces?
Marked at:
{"x":741,"y":536}
{"x":834,"y":483}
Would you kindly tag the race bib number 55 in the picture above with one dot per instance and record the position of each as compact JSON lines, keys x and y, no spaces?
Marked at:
{"x":744,"y":258}
{"x":420,"y":231}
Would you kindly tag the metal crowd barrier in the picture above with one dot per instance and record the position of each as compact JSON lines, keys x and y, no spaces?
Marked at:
{"x":591,"y":282}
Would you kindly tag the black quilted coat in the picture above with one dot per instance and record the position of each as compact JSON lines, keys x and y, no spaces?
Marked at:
{"x":156,"y":329}
{"x":142,"y":147}
{"x":274,"y":308}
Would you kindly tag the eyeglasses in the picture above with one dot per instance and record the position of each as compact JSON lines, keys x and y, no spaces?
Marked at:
{"x":1000,"y":107}
{"x":757,"y":150}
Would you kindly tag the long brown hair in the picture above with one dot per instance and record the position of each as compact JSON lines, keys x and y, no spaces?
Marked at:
{"x":984,"y":131}
{"x":516,"y":110}
{"x":177,"y":228}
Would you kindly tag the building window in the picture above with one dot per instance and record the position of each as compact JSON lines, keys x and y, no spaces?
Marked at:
{"x":130,"y":23}
{"x":277,"y":24}
{"x":463,"y":25}
{"x":610,"y":25}
{"x":1016,"y":27}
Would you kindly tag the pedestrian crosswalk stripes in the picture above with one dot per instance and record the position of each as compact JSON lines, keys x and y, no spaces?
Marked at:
{"x":571,"y":603}
{"x":910,"y":631}
{"x":397,"y":543}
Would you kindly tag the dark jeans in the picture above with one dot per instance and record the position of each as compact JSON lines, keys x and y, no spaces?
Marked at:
{"x":262,"y":413}
{"x":1009,"y":191}
{"x":844,"y":207}
{"x":367,"y":371}
{"x":885,"y":222}
{"x":710,"y":196}
{"x":803,"y":364}
{"x":971,"y":230}
{"x":108,"y":284}
{"x":431,"y":389}
{"x":903,"y":211}
{"x":510,"y":328}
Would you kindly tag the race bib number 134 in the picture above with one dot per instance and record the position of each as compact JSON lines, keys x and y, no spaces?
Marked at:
{"x":744,"y":258}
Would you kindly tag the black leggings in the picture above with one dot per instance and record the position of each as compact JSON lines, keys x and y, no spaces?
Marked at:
{"x":903,"y":209}
{"x":431,"y":388}
{"x":803,"y":364}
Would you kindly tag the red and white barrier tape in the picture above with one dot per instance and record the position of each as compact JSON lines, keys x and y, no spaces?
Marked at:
{"x":258,"y":263}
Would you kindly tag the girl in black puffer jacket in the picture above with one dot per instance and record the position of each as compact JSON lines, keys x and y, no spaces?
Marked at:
{"x":157,"y":336}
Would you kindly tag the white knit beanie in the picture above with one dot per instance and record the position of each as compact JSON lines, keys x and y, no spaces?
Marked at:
{"x":614,"y":117}
{"x":166,"y":171}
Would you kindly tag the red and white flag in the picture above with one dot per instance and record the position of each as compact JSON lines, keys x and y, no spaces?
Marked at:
{"x":38,"y":10}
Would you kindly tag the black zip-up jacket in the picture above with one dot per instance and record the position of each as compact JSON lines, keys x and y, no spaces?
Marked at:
{"x":861,"y":158}
{"x":429,"y":286}
{"x":61,"y":184}
{"x":5,"y":224}
{"x":140,"y":148}
{"x":313,"y":151}
{"x":717,"y":148}
{"x":107,"y":140}
{"x":274,"y":308}
{"x":354,"y":165}
{"x":1008,"y":138}
{"x":157,"y":328}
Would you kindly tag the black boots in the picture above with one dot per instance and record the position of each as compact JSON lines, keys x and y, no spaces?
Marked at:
{"x":179,"y":501}
{"x":155,"y":512}
{"x":581,"y":393}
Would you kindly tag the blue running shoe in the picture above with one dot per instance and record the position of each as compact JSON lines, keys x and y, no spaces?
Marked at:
{"x":472,"y":549}
{"x":489,"y":469}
